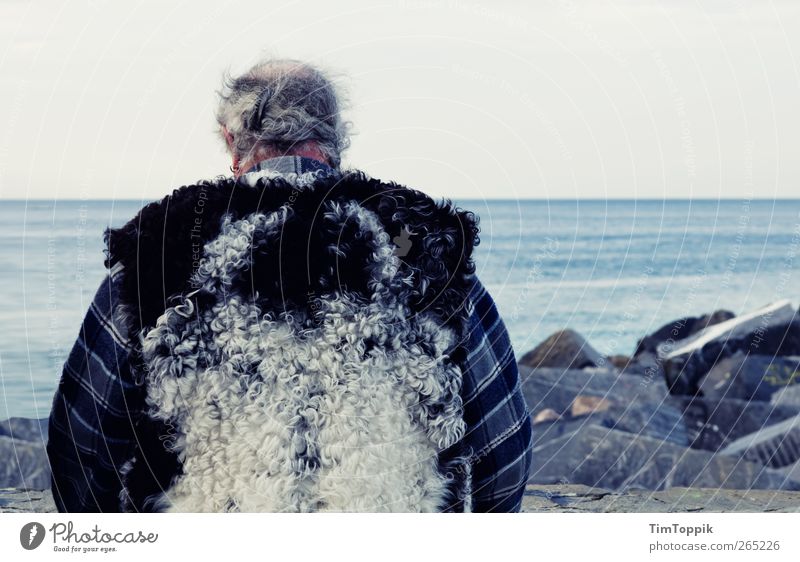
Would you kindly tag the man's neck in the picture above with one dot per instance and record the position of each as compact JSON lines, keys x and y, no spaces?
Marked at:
{"x":304,"y":150}
{"x":286,"y":164}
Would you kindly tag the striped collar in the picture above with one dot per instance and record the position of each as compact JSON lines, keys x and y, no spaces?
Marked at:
{"x":298,"y":170}
{"x":289,"y":164}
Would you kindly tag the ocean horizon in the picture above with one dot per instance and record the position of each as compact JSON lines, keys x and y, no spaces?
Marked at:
{"x":611,"y":269}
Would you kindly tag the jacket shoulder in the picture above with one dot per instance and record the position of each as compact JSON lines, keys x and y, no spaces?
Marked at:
{"x":161,"y":246}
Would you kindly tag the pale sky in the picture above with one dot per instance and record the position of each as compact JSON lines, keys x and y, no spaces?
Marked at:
{"x":502,"y":99}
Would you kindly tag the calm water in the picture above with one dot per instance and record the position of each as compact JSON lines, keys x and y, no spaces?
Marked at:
{"x":611,"y":270}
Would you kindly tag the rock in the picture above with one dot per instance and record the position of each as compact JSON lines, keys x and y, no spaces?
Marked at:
{"x":777,"y":445}
{"x":26,"y":501}
{"x":789,"y":396}
{"x":588,"y":404}
{"x":629,"y":404}
{"x":645,"y":365}
{"x":607,"y":458}
{"x":546,"y":415}
{"x":22,"y":446}
{"x":680,"y":329}
{"x":792,"y":472}
{"x":25,"y":429}
{"x":557,"y":388}
{"x":750,"y":377}
{"x":25,"y":464}
{"x":771,"y":330}
{"x":619,"y":361}
{"x":652,"y":419}
{"x":713,"y":424}
{"x":567,"y":349}
{"x":575,"y":498}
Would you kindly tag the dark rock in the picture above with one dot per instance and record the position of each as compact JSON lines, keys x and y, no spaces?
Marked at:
{"x":576,"y":498}
{"x":680,"y":329}
{"x":772,"y":330}
{"x":776,"y":446}
{"x":557,"y":388}
{"x":632,"y":404}
{"x":652,"y":419}
{"x":714,"y":424}
{"x":25,"y":429}
{"x":566,"y":349}
{"x":25,"y":464}
{"x":750,"y":377}
{"x":607,"y":458}
{"x":646,"y":365}
{"x":14,"y":500}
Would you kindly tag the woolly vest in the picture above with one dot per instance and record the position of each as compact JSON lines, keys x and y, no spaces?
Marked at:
{"x":298,"y":340}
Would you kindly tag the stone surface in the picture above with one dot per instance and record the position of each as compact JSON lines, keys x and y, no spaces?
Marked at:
{"x":619,"y":361}
{"x":792,"y":472}
{"x":14,"y":500}
{"x":652,"y":419}
{"x":750,"y":377}
{"x":22,"y":450}
{"x":24,"y":464}
{"x":776,"y":446}
{"x":589,"y":404}
{"x":607,"y":458}
{"x":789,"y":396}
{"x":570,"y":498}
{"x":25,"y":429}
{"x":566,"y":349}
{"x":646,"y":365}
{"x":546,"y":415}
{"x":771,"y":330}
{"x":680,"y":329}
{"x":631,"y":404}
{"x":713,"y":424}
{"x":557,"y":388}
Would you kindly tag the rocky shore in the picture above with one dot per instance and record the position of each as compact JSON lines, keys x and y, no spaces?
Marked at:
{"x":704,"y":415}
{"x":23,"y":460}
{"x":708,"y":402}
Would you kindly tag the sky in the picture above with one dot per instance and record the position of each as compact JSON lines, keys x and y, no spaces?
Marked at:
{"x":502,"y":99}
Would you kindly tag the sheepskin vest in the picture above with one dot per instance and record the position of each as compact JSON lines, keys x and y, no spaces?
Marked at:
{"x":298,"y":343}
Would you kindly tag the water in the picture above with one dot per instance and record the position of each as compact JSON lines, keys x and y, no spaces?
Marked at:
{"x":612,"y":270}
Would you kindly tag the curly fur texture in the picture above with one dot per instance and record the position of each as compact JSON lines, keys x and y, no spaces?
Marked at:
{"x":300,"y":364}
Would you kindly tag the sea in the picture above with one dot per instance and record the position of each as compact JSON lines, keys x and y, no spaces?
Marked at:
{"x":613,"y":270}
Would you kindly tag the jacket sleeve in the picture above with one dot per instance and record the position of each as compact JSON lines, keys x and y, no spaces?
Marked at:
{"x":96,"y":405}
{"x":499,"y":435}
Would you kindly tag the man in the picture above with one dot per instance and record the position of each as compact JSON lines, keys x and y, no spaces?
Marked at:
{"x":294,"y":338}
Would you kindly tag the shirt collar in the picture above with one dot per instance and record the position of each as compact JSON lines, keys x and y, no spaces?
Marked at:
{"x":297,"y":170}
{"x":289,"y":164}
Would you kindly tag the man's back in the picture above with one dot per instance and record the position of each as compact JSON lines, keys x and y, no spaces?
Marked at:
{"x":300,"y":339}
{"x":302,"y":365}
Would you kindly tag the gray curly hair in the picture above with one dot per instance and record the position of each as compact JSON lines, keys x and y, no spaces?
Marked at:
{"x":280,"y":103}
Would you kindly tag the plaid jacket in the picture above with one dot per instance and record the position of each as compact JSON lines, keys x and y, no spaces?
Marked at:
{"x":97,"y":408}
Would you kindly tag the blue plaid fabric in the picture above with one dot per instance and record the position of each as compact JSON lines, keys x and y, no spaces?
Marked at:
{"x":97,"y":406}
{"x":94,"y":412}
{"x":499,"y":434}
